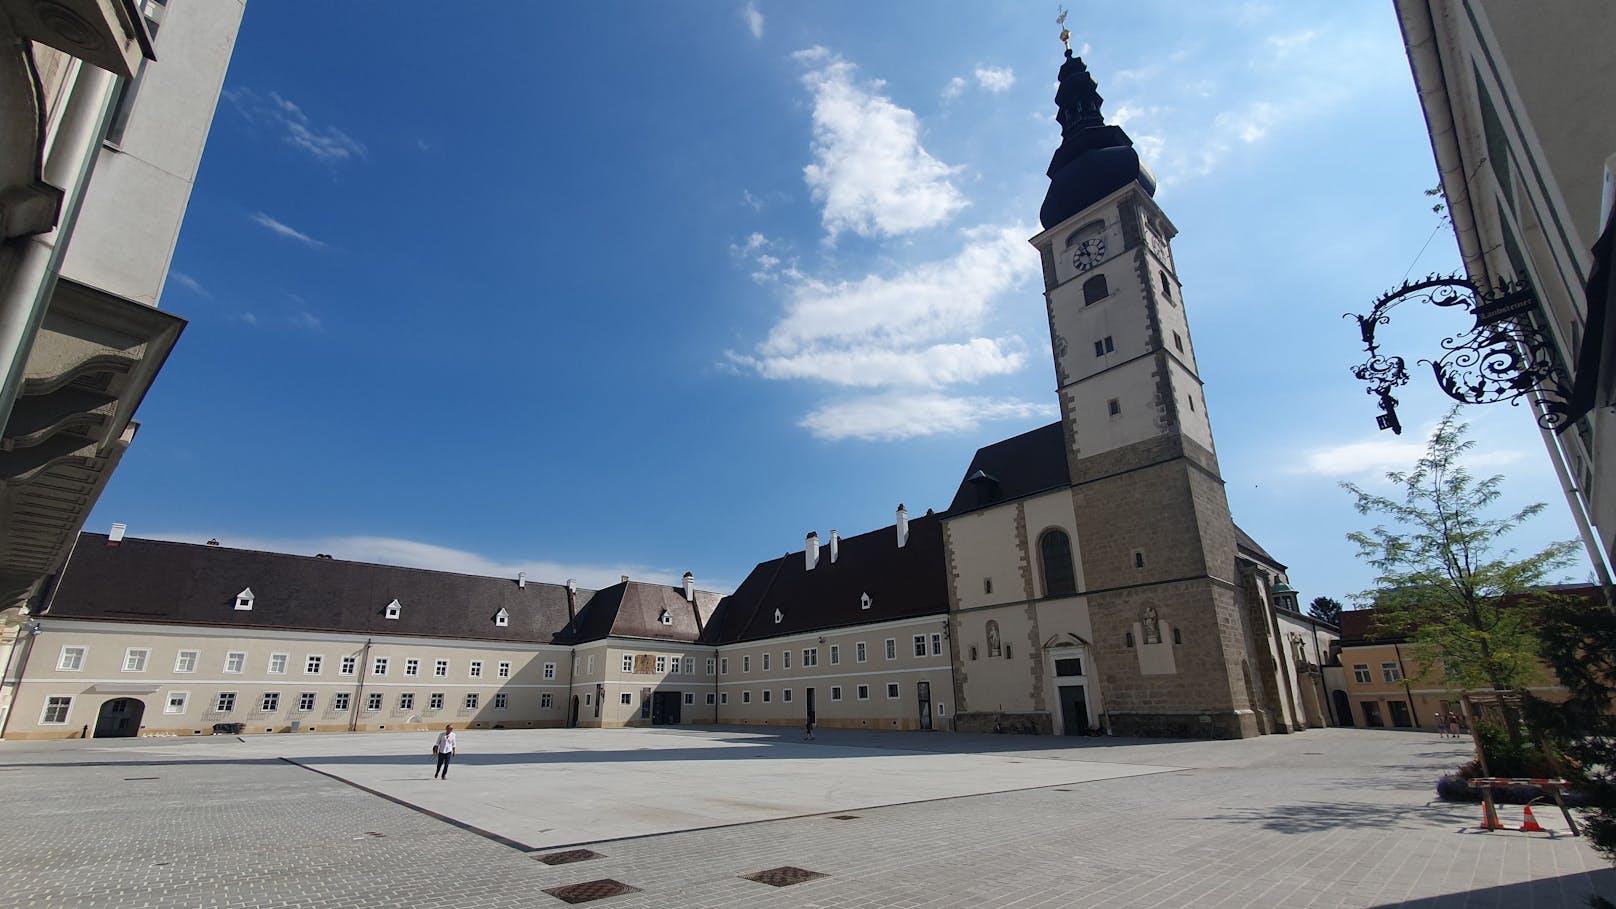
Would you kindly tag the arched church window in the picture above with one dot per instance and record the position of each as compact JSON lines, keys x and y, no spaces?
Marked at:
{"x":1059,"y":578}
{"x":993,"y":639}
{"x":1095,"y":289}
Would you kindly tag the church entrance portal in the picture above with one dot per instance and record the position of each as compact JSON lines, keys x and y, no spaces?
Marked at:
{"x":1074,"y":710}
{"x":119,"y":717}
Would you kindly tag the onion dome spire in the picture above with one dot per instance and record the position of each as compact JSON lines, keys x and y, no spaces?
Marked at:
{"x":1093,"y":160}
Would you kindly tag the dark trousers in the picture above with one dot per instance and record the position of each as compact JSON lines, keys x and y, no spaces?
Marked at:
{"x":443,"y":763}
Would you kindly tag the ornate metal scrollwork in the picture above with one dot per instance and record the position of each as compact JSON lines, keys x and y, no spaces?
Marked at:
{"x":1505,"y":357}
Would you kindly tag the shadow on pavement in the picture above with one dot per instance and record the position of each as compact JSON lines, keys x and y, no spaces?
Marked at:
{"x":1318,"y":817}
{"x":1567,"y":890}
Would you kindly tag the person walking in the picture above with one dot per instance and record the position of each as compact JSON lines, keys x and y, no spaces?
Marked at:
{"x":444,"y":748}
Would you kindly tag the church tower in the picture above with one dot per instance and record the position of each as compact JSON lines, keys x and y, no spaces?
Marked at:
{"x":1155,"y":539}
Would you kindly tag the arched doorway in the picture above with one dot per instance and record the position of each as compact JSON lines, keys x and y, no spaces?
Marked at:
{"x":119,"y":717}
{"x":572,"y":718}
{"x":1343,"y":708}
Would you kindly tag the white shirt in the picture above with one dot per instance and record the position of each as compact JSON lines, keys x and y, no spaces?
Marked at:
{"x":446,"y":743}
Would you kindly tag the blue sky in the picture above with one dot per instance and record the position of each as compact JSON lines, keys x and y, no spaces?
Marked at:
{"x":603,"y":289}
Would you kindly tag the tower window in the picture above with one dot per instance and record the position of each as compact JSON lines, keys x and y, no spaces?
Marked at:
{"x":1104,"y":346}
{"x":1167,"y":290}
{"x":1192,"y":402}
{"x":1178,"y":342}
{"x":1138,"y":558}
{"x":1095,"y":289}
{"x":1114,"y":407}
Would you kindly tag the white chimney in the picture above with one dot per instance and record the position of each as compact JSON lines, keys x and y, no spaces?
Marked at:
{"x":810,"y":551}
{"x":623,"y":579}
{"x":835,"y":541}
{"x":116,"y":536}
{"x":903,"y":525}
{"x":572,"y":586}
{"x":521,"y":579}
{"x":690,"y":587}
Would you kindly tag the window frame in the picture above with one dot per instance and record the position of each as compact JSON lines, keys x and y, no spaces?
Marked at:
{"x":179,"y":658}
{"x":239,"y":658}
{"x":313,"y":663}
{"x":285,"y":660}
{"x":184,"y":698}
{"x":224,"y":702}
{"x":269,"y":702}
{"x":140,"y":656}
{"x":892,"y":648}
{"x":307,"y":701}
{"x":64,"y":701}
{"x":894,"y":691}
{"x":81,"y":652}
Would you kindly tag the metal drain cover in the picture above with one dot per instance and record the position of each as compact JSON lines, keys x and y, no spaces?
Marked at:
{"x":568,"y":857}
{"x":589,"y":891}
{"x":844,"y":817}
{"x":784,"y":876}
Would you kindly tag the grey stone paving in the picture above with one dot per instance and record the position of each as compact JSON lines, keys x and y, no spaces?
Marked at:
{"x":1329,"y":818}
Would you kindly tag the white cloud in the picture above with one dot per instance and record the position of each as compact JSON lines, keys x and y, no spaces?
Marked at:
{"x":754,"y":20}
{"x":896,"y":416}
{"x":869,"y":170}
{"x":1377,"y":456}
{"x":872,"y":367}
{"x":189,"y":283}
{"x":906,"y":335}
{"x":285,"y":230}
{"x":306,"y":320}
{"x":415,"y":554}
{"x":954,"y":88}
{"x":328,"y":144}
{"x":250,"y":319}
{"x":751,"y":201}
{"x":765,"y":265}
{"x":924,"y":303}
{"x":995,"y":78}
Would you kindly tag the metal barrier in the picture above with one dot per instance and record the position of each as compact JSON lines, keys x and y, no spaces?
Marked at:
{"x":1553,"y":788}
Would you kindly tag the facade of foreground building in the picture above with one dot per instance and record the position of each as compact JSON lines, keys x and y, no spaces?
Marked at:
{"x":105,"y":107}
{"x":1517,"y":100}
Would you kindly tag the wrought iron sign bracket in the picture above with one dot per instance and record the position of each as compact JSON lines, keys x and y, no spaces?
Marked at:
{"x":1505,"y":357}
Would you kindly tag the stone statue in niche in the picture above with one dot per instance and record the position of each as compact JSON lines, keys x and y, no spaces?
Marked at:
{"x":1151,"y":626}
{"x":993,"y":639}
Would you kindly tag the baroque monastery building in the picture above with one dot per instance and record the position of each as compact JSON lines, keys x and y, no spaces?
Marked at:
{"x":1086,"y":578}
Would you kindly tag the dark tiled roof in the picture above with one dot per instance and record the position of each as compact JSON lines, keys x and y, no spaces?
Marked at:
{"x":1017,"y":467}
{"x":901,"y":583}
{"x":185,"y":583}
{"x":1244,"y":543}
{"x":1357,"y":625}
{"x":634,"y":609}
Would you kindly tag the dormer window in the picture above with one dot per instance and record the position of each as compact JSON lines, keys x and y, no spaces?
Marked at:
{"x":393,"y":609}
{"x":244,"y":600}
{"x":779,"y":617}
{"x":864,"y":601}
{"x":502,"y":618}
{"x":666,"y":617}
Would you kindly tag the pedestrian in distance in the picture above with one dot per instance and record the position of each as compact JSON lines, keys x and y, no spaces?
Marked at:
{"x":1453,"y":724}
{"x":808,"y":728}
{"x":1441,"y":726}
{"x":444,"y":748}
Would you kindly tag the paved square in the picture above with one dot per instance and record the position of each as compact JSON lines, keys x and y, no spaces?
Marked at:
{"x":1328,"y":818}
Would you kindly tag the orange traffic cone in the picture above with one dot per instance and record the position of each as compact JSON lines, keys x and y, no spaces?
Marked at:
{"x":1489,"y":818}
{"x":1530,"y":824}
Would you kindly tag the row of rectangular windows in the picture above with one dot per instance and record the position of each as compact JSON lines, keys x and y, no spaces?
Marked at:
{"x":135,"y":659}
{"x":1389,"y":672}
{"x":862,"y":691}
{"x":56,"y":708}
{"x":924,"y":645}
{"x":666,"y":664}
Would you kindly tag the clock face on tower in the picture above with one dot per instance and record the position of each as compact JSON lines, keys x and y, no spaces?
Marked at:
{"x":1088,"y":254}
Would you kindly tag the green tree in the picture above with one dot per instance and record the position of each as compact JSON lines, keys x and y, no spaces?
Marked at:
{"x":1325,"y":609}
{"x":1579,"y":643}
{"x":1467,"y":607}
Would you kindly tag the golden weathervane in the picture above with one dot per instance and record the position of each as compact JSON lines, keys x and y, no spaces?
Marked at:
{"x":1066,"y":33}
